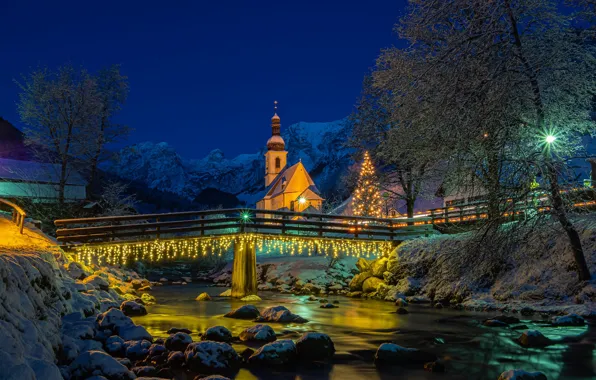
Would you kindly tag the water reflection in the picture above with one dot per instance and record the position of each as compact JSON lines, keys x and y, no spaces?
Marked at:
{"x":358,"y":327}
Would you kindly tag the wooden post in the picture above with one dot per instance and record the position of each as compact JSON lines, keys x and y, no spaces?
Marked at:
{"x":244,"y":269}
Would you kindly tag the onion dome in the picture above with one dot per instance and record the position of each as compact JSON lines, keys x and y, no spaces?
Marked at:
{"x":276,"y":142}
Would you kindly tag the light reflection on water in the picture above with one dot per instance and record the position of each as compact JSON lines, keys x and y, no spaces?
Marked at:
{"x":358,"y":327}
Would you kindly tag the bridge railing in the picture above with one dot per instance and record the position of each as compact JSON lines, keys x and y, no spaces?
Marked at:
{"x":18,"y":214}
{"x":233,"y":221}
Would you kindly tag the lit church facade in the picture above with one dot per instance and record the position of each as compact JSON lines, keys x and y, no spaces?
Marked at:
{"x":286,"y":188}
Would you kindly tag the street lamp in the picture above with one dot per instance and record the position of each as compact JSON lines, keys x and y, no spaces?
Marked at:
{"x":550,"y":139}
{"x":302,"y":200}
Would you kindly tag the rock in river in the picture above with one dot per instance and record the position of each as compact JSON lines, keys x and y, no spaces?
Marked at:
{"x":392,"y":354}
{"x":244,"y":312}
{"x":568,"y":320}
{"x":533,"y":338}
{"x":178,"y":341}
{"x":260,"y":333}
{"x":212,"y":357}
{"x":132,"y":309}
{"x":203,"y":297}
{"x":276,"y":354}
{"x":280,"y":314}
{"x":520,"y":374}
{"x":314,"y":347}
{"x":217,"y":334}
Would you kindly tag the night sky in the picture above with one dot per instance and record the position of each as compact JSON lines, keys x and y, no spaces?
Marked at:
{"x":204,"y":74}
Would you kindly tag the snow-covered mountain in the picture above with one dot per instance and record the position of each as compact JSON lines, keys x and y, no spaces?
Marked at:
{"x":318,"y":145}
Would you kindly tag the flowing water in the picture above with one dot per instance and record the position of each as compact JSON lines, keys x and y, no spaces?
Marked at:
{"x":358,"y":327}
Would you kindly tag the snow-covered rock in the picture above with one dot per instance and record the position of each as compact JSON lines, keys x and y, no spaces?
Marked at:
{"x":371,"y":284}
{"x":212,"y":357}
{"x":568,"y":320}
{"x":392,"y":354}
{"x":275,"y":354}
{"x":261,"y":333}
{"x":137,"y":349}
{"x":113,"y":319}
{"x":134,"y":332}
{"x":251,"y":298}
{"x":203,"y":297}
{"x":176,"y":359}
{"x":131,"y":309}
{"x":314,"y":347}
{"x":178,"y":342}
{"x":217,"y":334}
{"x":114,"y":345}
{"x":280,"y":314}
{"x":98,"y":363}
{"x":358,"y":281}
{"x":519,"y":374}
{"x":244,"y":312}
{"x":97,"y":281}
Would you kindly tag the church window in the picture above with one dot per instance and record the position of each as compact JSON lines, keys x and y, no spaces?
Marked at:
{"x":277,"y":163}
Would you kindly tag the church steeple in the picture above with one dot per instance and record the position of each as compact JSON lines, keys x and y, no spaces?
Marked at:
{"x":275,"y":158}
{"x":275,"y":142}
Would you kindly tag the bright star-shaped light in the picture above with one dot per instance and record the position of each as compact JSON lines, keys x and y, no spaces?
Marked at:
{"x":550,"y":139}
{"x":302,"y":200}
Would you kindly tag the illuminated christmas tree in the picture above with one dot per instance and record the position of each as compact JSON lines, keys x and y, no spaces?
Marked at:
{"x":367,"y":197}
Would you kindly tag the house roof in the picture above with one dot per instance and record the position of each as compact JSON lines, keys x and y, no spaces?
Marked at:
{"x":285,"y":176}
{"x":29,"y":171}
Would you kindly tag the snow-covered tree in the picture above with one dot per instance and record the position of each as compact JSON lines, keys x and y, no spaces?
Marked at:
{"x":483,"y":83}
{"x":366,"y":199}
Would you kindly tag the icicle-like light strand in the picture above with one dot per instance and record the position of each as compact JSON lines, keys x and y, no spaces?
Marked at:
{"x":193,"y":248}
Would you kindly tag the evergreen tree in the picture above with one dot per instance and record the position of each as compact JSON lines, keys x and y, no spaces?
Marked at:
{"x":367,"y":198}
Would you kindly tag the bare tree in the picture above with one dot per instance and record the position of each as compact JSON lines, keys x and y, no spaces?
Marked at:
{"x":57,"y":108}
{"x":115,"y":200}
{"x":486,"y":82}
{"x":112,"y":90}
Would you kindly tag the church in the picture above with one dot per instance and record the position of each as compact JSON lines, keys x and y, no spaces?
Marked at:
{"x":286,"y":188}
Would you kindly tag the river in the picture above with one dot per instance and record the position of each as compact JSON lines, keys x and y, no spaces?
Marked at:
{"x":358,"y":327}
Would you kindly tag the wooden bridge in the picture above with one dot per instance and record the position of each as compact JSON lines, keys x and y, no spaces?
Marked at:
{"x":120,"y":239}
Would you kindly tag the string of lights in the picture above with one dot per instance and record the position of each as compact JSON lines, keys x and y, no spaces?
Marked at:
{"x":366,"y":200}
{"x":197,"y":247}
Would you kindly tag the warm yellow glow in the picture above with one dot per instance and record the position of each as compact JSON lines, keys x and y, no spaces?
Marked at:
{"x":194,"y":248}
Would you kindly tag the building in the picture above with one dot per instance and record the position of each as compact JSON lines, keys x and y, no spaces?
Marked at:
{"x":286,"y":188}
{"x":38,"y":181}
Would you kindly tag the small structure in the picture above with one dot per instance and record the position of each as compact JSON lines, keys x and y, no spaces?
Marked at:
{"x":287,"y":188}
{"x":38,"y":181}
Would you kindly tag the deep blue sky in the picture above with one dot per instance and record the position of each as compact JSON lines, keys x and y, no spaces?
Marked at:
{"x":204,"y":74}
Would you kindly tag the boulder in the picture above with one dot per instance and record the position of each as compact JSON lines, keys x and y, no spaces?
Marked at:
{"x":280,"y":314}
{"x":314,"y":347}
{"x":506,"y":319}
{"x":203,"y":297}
{"x":275,"y":354}
{"x":371,"y":284}
{"x":175,"y":330}
{"x":176,"y":359}
{"x":132,"y":309}
{"x":362,"y":264}
{"x":494,"y":323}
{"x":401,"y":310}
{"x":533,"y":338}
{"x":136,"y":349}
{"x":97,"y":282}
{"x":134,"y":332}
{"x":113,"y":319}
{"x":519,"y":374}
{"x":378,"y":267}
{"x":97,"y":363}
{"x":114,"y":345}
{"x":75,"y":270}
{"x":392,"y":354}
{"x":259,"y":333}
{"x":217,"y":334}
{"x":227,"y":293}
{"x":358,"y":281}
{"x":144,"y":371}
{"x":148,"y":299}
{"x":251,"y":298}
{"x":178,"y":341}
{"x":328,"y":306}
{"x":244,"y":312}
{"x":136,"y":284}
{"x":568,"y":320}
{"x":408,"y":286}
{"x":212,"y":357}
{"x":156,"y":350}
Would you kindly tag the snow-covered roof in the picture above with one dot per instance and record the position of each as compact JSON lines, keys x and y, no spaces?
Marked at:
{"x":29,"y":171}
{"x":276,"y":188}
